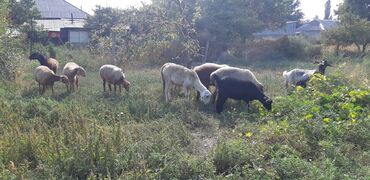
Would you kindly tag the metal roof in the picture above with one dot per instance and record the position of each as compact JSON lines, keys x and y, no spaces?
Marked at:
{"x":318,"y":25}
{"x":57,"y":9}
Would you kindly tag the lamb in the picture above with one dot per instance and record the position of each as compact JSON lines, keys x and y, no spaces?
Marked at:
{"x":174,"y":74}
{"x":113,"y":75}
{"x":237,"y":73}
{"x":299,"y":77}
{"x":73,"y":71}
{"x":46,"y":77}
{"x":50,"y":62}
{"x":204,"y":71}
{"x":230,"y":87}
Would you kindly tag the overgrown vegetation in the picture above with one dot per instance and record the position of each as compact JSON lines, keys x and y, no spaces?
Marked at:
{"x":320,"y":132}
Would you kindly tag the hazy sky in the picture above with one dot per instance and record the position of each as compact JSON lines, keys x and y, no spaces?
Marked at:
{"x":310,"y":8}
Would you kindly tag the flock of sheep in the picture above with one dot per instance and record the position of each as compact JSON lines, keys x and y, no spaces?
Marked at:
{"x":230,"y":82}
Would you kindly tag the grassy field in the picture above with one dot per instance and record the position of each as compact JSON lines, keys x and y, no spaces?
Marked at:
{"x":92,"y":134}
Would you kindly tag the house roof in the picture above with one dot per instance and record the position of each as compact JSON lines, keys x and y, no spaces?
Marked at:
{"x":318,"y":25}
{"x":287,"y":29}
{"x":58,"y":9}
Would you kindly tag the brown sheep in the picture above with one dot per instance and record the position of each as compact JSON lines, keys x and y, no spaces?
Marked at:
{"x":73,"y":71}
{"x":50,"y":62}
{"x":113,"y":75}
{"x":46,"y":77}
{"x":204,"y":72}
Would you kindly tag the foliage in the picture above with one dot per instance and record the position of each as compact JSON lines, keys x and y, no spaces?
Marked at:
{"x":22,"y":13}
{"x":327,"y":10}
{"x":354,"y":25}
{"x":320,"y":132}
{"x":173,"y":30}
{"x":297,"y":47}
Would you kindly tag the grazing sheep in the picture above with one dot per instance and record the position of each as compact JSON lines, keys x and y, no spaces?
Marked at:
{"x":73,"y":71}
{"x":204,"y":72}
{"x":50,"y":63}
{"x":46,"y":77}
{"x":299,"y":77}
{"x":174,"y":74}
{"x":113,"y":75}
{"x":229,"y":87}
{"x":237,"y":73}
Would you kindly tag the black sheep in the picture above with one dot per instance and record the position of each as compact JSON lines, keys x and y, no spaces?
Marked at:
{"x":239,"y":90}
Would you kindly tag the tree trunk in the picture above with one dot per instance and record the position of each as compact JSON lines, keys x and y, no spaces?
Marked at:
{"x":206,"y":52}
{"x":364,"y":48}
{"x":337,"y":49}
{"x":358,"y":47}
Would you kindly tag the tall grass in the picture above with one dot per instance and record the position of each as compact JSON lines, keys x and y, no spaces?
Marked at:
{"x":136,"y":135}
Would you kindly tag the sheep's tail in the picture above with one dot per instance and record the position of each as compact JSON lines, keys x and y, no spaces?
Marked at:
{"x":163,"y":81}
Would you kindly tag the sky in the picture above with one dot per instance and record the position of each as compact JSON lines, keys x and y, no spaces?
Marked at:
{"x":310,"y":8}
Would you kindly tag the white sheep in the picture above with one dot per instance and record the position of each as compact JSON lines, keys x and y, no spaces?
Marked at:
{"x":237,"y":73}
{"x":301,"y":76}
{"x":46,"y":77}
{"x":174,"y":74}
{"x":113,"y":75}
{"x":73,"y":71}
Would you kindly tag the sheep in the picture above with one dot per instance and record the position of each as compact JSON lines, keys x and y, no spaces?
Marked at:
{"x":237,"y":73}
{"x":299,"y":77}
{"x":230,"y":87}
{"x":113,"y":75}
{"x":174,"y":74}
{"x":204,"y":71}
{"x":73,"y":71}
{"x":46,"y":77}
{"x":50,"y":62}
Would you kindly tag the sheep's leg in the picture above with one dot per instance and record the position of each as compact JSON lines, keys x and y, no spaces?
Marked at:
{"x":120,"y":88}
{"x":104,"y":85}
{"x":248,"y":104}
{"x":76,"y":84}
{"x":110,"y":86}
{"x":186,"y":92}
{"x":52,"y":90}
{"x":167,"y":91}
{"x":39,"y":88}
{"x":220,"y":101}
{"x":214,"y":95}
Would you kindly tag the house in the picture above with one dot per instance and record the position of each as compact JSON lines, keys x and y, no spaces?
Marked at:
{"x":311,"y":29}
{"x":287,"y":30}
{"x":63,"y":21}
{"x":314,"y":28}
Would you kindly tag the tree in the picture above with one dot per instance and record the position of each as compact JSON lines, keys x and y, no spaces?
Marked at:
{"x":22,"y":13}
{"x":358,"y":8}
{"x":354,"y":25}
{"x":3,"y":21}
{"x":327,"y":9}
{"x":225,"y":23}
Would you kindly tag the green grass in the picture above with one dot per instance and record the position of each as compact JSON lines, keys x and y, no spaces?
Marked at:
{"x":136,"y":135}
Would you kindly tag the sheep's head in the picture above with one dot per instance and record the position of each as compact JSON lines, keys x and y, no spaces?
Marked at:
{"x":126,"y":84}
{"x":267,"y":103}
{"x":64,"y":79}
{"x":322,"y":65}
{"x":205,"y":96}
{"x":35,"y":56}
